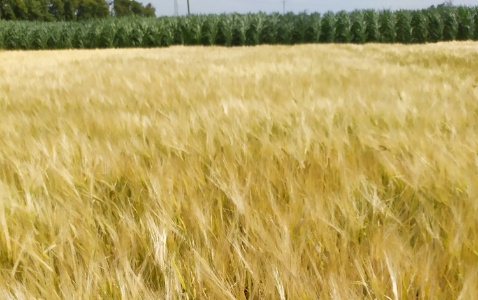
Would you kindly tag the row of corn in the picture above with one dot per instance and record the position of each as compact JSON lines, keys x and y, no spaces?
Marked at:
{"x":364,"y":26}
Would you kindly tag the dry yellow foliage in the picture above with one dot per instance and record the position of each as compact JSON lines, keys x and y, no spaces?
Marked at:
{"x":272,"y":172}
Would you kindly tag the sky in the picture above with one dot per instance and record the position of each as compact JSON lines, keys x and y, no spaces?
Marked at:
{"x":166,"y":7}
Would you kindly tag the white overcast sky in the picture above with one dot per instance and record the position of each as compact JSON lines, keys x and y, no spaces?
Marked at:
{"x":166,"y":7}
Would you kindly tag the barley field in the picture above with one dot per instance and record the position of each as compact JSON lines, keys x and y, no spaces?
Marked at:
{"x":269,"y":172}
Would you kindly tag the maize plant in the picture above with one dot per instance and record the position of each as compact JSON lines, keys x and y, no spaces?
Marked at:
{"x":210,"y":30}
{"x":65,"y":37}
{"x":357,"y":29}
{"x":403,"y":30}
{"x":3,"y":25}
{"x":342,"y":27}
{"x":271,"y":29}
{"x":286,"y":29}
{"x":371,"y":27}
{"x":137,"y":34}
{"x":192,"y":29}
{"x":225,"y":30}
{"x":93,"y":35}
{"x":167,"y":29}
{"x":240,"y":28}
{"x":186,"y":28}
{"x":475,"y":22}
{"x":301,"y":24}
{"x":179,"y":37}
{"x":255,"y":32}
{"x":419,"y":27}
{"x":465,"y":24}
{"x":80,"y":35}
{"x":122,"y":36}
{"x":38,"y":38}
{"x":327,"y":32}
{"x":14,"y":35}
{"x":435,"y":27}
{"x":152,"y":35}
{"x":386,"y":26}
{"x":450,"y":25}
{"x":312,"y":32}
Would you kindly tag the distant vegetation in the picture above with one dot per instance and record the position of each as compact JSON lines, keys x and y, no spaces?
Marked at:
{"x":71,"y":10}
{"x":442,"y":23}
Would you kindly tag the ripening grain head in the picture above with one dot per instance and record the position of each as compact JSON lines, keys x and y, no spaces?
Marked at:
{"x":338,"y":172}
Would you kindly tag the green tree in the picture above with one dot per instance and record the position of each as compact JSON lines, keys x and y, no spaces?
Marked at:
{"x":35,"y":11}
{"x":89,"y":9}
{"x":122,"y":8}
{"x":149,"y":11}
{"x":136,"y":8}
{"x":70,"y":8}
{"x":57,"y":10}
{"x":47,"y":16}
{"x":6,"y":11}
{"x":19,"y":9}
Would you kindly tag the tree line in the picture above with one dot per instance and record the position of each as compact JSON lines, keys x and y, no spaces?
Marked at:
{"x":71,"y":10}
